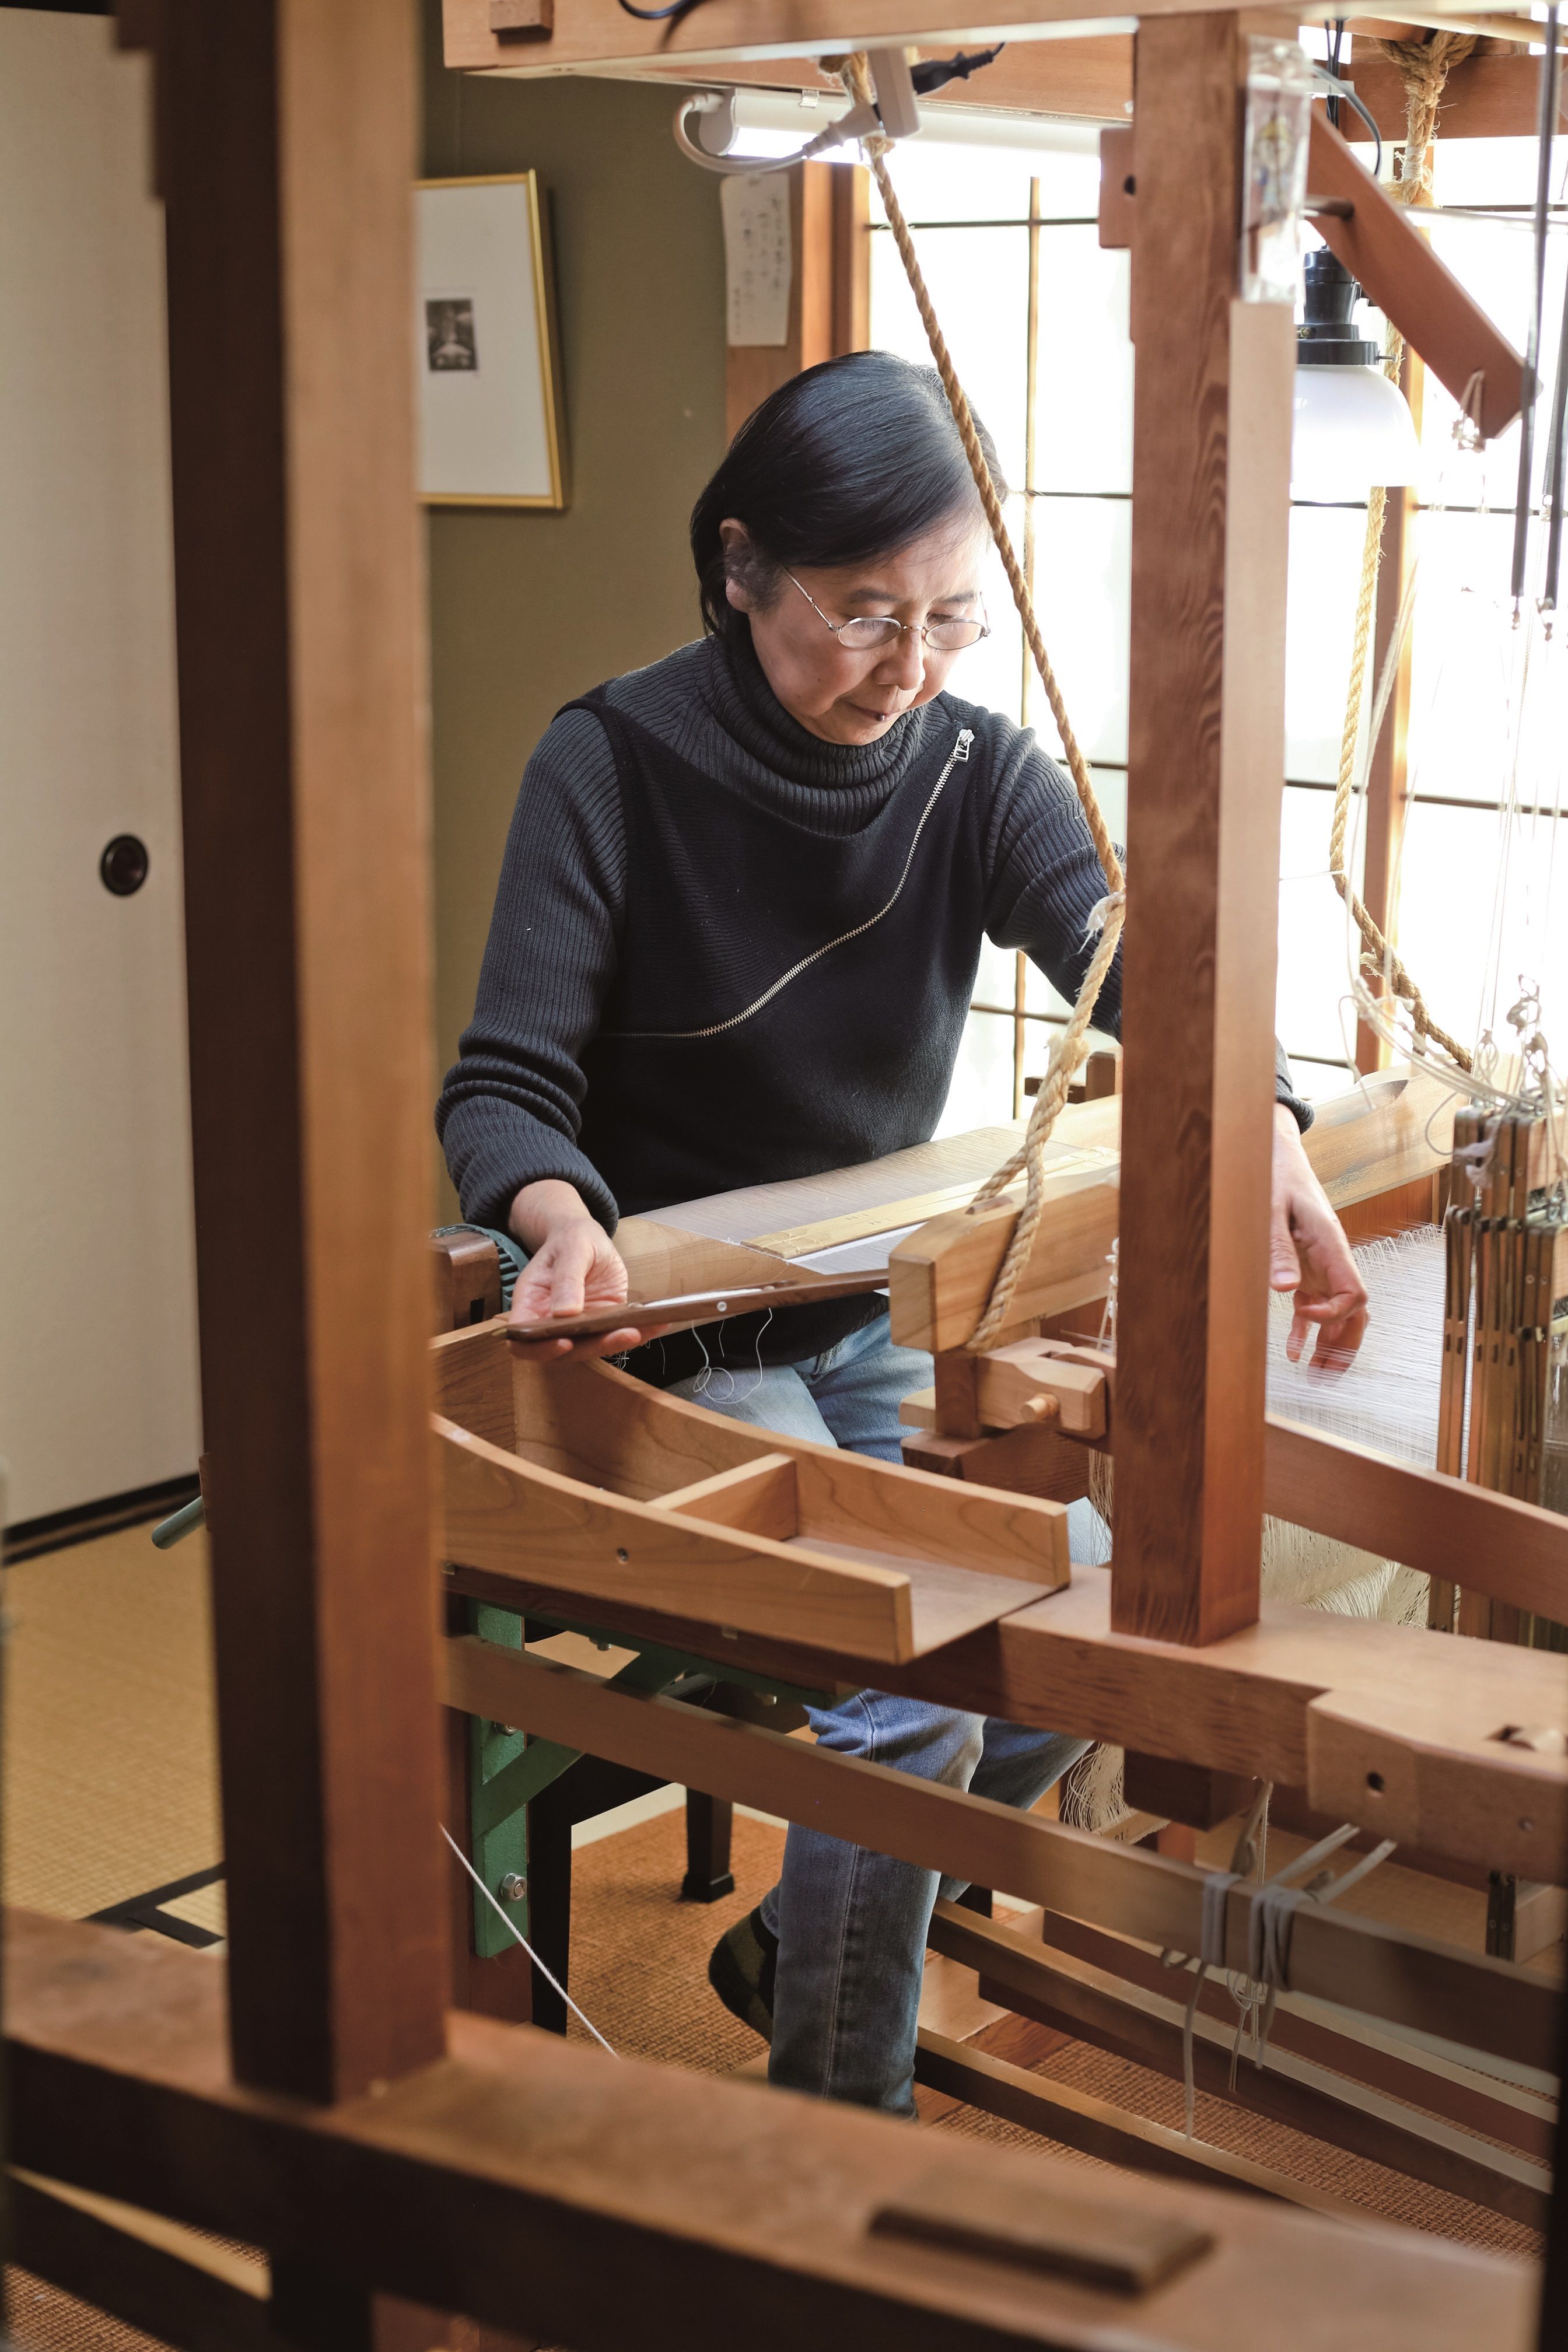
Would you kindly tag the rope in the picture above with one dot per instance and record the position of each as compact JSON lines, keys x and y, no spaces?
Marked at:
{"x":1424,"y":66}
{"x":1107,"y":920}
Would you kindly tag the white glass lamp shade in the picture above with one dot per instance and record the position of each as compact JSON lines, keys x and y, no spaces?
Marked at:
{"x":1353,"y":430}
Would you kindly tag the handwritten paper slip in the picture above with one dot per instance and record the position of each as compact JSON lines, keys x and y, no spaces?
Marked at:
{"x":757,"y":260}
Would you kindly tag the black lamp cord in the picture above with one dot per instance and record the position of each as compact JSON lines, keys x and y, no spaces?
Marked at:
{"x":1340,"y":91}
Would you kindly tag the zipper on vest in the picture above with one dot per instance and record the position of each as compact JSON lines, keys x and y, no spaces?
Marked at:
{"x":959,"y":752}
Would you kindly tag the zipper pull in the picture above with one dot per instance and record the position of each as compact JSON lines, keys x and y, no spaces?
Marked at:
{"x":966,"y":738}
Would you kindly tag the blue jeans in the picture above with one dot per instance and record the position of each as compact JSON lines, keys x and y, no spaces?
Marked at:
{"x":851,"y":1924}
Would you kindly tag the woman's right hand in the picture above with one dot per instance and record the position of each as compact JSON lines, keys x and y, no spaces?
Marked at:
{"x":572,"y":1264}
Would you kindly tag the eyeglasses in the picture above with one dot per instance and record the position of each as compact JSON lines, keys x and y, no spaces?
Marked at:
{"x":947,"y":635}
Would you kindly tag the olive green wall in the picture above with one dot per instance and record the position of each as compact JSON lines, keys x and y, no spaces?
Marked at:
{"x":528,"y":609}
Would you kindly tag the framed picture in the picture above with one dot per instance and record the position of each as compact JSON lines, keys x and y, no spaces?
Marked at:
{"x":490,"y":429}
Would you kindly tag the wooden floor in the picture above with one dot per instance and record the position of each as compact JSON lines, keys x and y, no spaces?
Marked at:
{"x":111,"y":1791}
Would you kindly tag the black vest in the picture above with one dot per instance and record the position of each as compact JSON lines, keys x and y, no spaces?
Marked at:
{"x":785,"y":1002}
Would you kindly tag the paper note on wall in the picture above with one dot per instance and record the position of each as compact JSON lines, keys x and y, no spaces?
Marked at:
{"x":757,"y":266}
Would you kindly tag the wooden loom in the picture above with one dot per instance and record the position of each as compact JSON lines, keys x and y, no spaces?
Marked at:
{"x":314,"y":2096}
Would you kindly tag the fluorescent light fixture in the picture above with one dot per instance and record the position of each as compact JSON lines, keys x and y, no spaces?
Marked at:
{"x":777,"y":122}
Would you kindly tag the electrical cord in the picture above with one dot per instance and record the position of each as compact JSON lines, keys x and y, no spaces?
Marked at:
{"x":859,"y":124}
{"x":671,"y":15}
{"x":1341,"y":94}
{"x":1340,"y":91}
{"x":935,"y":73}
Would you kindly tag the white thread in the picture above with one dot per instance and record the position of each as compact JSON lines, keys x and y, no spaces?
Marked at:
{"x":1211,"y":1955}
{"x":1272,"y":1917}
{"x":1099,"y":913}
{"x":682,"y":1036}
{"x":513,"y":1929}
{"x":757,"y":1383}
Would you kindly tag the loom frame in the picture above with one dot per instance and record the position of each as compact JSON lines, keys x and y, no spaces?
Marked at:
{"x":313,"y":2095}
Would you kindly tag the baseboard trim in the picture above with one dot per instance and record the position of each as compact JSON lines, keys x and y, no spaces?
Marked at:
{"x":59,"y":1529}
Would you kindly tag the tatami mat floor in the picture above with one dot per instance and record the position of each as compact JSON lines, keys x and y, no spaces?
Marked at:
{"x":111,"y":1779}
{"x":110,"y":1790}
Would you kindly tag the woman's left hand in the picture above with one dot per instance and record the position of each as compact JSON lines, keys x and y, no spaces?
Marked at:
{"x":1307,"y":1253}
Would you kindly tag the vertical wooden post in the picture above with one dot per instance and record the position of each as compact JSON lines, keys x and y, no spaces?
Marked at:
{"x":1210,"y":510}
{"x":288,"y":145}
{"x":851,"y":202}
{"x":1387,"y":785}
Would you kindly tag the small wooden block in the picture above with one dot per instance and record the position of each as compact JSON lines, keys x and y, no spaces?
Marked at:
{"x":1012,"y":1380}
{"x":466,"y":1270}
{"x":1035,"y":1461}
{"x":523,"y":16}
{"x":1123,"y":2249}
{"x":917,"y":1409}
{"x":956,"y":1393}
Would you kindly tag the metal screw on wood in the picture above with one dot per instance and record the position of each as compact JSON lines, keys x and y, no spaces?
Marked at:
{"x":512,"y":1887}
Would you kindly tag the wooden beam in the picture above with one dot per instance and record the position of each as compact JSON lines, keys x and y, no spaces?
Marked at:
{"x":533,"y":2184}
{"x":1210,"y":515}
{"x":1396,"y":268}
{"x":1513,"y":1550}
{"x":289,"y":139}
{"x":940,"y":1276}
{"x":1077,"y":1998}
{"x":851,"y":198}
{"x":1089,"y":78}
{"x":151,"y":2273}
{"x":1075,"y":2119}
{"x":1334,"y":1957}
{"x":593,"y":36}
{"x":1370,"y":2055}
{"x":1484,"y":98}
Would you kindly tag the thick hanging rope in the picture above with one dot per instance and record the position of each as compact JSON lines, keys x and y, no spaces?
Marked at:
{"x":1424,"y":66}
{"x":1108,"y":917}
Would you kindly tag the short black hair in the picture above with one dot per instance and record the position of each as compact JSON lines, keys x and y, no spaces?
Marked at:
{"x":851,"y":459}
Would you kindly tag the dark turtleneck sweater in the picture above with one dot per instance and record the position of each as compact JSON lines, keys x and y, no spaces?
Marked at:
{"x":679,"y":844}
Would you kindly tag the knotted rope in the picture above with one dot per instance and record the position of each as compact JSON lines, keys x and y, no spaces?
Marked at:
{"x":1108,"y":917}
{"x":1424,"y":66}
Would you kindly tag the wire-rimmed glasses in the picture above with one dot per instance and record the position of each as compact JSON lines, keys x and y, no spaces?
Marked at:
{"x":948,"y":634}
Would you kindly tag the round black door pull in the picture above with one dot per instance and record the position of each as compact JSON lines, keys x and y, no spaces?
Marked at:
{"x":122,"y":868}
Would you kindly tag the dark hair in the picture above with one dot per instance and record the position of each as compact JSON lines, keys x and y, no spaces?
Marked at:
{"x":851,"y":459}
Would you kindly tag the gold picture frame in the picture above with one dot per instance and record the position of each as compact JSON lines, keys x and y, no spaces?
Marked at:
{"x":487,"y":354}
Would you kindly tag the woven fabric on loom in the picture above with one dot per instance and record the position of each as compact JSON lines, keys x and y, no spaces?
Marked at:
{"x":1388,"y":1399}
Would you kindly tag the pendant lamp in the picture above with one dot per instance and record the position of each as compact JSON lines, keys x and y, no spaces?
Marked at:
{"x":1353,"y":428}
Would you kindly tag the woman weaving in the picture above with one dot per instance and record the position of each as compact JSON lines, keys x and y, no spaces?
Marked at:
{"x":734,"y":942}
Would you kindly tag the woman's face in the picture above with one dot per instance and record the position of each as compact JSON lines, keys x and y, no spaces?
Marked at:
{"x":846,"y":696}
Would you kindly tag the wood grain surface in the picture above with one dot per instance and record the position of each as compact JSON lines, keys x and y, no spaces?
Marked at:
{"x":1205,"y":767}
{"x":532,"y":2183}
{"x":1145,"y":2024}
{"x":1335,"y":1955}
{"x":288,"y":138}
{"x":1395,"y":263}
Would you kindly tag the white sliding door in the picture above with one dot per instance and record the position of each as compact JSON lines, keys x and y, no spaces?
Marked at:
{"x":97,"y":1361}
